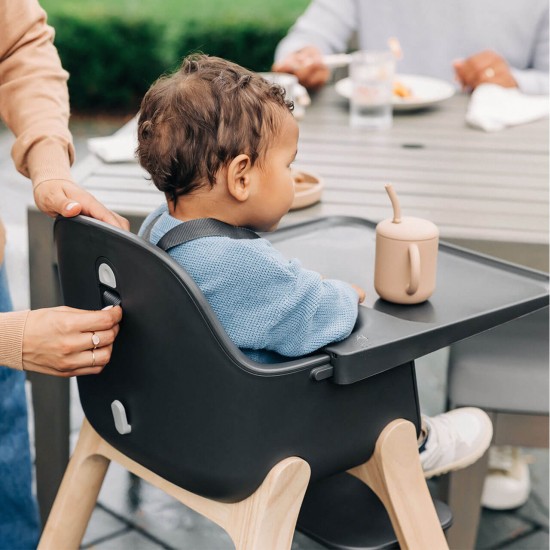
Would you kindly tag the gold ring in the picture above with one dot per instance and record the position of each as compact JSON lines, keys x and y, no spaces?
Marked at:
{"x":95,"y":340}
{"x":489,"y":72}
{"x":93,"y":358}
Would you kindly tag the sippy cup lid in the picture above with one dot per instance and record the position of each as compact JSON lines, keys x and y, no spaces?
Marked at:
{"x":408,"y":229}
{"x":405,"y":229}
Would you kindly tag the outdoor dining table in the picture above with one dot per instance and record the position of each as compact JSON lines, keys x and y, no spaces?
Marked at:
{"x":485,"y":191}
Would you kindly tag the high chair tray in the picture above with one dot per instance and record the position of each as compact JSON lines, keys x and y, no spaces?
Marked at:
{"x":473,"y":293}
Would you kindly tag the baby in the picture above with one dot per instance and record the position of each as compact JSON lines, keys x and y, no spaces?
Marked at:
{"x":219,"y":142}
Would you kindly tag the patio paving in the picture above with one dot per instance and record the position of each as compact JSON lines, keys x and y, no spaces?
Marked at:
{"x":138,"y":516}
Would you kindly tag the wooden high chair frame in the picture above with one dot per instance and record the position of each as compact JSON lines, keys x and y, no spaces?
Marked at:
{"x":266,"y":519}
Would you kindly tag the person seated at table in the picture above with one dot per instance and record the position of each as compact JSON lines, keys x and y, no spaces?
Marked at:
{"x":472,"y":41}
{"x":219,"y":142}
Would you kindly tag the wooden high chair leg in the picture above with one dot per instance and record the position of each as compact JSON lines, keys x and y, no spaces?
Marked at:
{"x":394,"y":473}
{"x":266,"y":519}
{"x":77,"y":495}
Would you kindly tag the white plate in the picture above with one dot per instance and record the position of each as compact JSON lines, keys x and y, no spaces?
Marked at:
{"x":426,"y":91}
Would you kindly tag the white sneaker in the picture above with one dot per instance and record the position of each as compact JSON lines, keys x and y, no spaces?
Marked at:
{"x":507,"y":484}
{"x":455,"y":440}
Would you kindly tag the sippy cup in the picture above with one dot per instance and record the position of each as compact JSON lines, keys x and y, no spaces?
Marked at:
{"x":406,"y":257}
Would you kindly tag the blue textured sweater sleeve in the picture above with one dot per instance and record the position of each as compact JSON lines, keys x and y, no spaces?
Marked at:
{"x":267,"y":302}
{"x":314,"y":313}
{"x":263,"y":300}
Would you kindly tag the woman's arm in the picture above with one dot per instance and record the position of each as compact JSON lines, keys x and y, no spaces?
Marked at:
{"x":34,"y":104}
{"x":58,"y":341}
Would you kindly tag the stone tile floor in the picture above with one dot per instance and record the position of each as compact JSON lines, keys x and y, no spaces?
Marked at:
{"x":139,"y":517}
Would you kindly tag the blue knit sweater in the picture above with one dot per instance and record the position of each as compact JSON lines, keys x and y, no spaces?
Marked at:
{"x":263,"y":301}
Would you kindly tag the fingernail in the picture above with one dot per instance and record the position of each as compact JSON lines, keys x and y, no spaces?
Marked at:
{"x":108,"y":307}
{"x":71,"y":205}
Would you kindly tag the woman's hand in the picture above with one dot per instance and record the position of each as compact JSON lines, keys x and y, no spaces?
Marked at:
{"x":308,"y":65}
{"x":60,"y":341}
{"x":484,"y":67}
{"x":68,"y":199}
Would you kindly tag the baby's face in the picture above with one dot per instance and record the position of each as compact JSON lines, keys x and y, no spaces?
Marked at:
{"x":274,"y":190}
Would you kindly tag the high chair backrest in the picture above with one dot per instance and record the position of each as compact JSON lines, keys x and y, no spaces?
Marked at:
{"x":200,"y":413}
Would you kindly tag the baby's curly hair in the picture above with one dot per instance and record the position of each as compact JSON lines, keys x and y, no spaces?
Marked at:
{"x":195,"y":121}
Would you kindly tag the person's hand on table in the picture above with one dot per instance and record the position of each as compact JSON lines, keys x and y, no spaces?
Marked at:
{"x":68,"y":199}
{"x":307,"y":64}
{"x":482,"y":68}
{"x":362,"y":294}
{"x":64,"y":341}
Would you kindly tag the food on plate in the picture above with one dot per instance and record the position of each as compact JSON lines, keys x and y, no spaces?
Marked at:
{"x":402,"y":91}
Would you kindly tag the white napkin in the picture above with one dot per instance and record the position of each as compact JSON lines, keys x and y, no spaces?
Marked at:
{"x":117,"y":148}
{"x":493,"y":107}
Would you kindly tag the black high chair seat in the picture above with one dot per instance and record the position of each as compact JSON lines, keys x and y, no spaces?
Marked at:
{"x":179,"y":399}
{"x":202,"y":414}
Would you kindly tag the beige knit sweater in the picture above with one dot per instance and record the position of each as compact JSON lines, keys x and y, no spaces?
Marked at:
{"x":34,"y":104}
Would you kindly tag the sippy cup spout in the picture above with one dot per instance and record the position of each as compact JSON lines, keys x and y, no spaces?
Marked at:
{"x":394,"y":202}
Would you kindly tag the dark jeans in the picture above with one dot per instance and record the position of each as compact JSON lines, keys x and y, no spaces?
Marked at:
{"x":19,"y":523}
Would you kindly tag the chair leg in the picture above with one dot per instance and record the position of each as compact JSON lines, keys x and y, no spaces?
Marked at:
{"x":394,"y":473}
{"x":77,"y":495}
{"x":266,"y":519}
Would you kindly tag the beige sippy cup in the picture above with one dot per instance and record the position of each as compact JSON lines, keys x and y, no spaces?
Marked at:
{"x":406,"y":257}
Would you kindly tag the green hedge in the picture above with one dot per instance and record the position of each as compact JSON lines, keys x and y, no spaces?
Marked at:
{"x":248,"y":43}
{"x":112,"y":61}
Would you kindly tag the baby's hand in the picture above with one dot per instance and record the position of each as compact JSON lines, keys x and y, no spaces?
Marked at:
{"x":361,"y":292}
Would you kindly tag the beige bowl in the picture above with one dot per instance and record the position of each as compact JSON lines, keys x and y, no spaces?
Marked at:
{"x":308,"y":189}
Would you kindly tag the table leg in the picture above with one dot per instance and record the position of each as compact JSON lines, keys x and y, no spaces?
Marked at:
{"x":462,"y":491}
{"x":51,"y":396}
{"x":51,"y":400}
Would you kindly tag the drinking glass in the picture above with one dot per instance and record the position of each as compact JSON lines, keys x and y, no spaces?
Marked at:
{"x":371,"y":75}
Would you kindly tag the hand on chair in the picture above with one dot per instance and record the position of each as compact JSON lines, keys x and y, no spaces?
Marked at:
{"x":64,"y":341}
{"x":68,"y":199}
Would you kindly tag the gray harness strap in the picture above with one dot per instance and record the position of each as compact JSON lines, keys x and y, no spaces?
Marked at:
{"x":196,"y":229}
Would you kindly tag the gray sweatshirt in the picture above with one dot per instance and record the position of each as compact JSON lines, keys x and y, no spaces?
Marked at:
{"x":432,"y":33}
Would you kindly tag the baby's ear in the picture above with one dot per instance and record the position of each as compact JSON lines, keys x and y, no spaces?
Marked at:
{"x":238,"y":177}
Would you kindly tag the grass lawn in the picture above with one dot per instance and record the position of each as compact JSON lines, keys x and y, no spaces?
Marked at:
{"x":174,"y":12}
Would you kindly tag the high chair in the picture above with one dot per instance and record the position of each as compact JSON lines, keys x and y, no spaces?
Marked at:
{"x":238,"y":441}
{"x":181,"y":407}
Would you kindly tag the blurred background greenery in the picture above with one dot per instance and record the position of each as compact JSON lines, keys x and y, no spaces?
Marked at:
{"x":115,"y":50}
